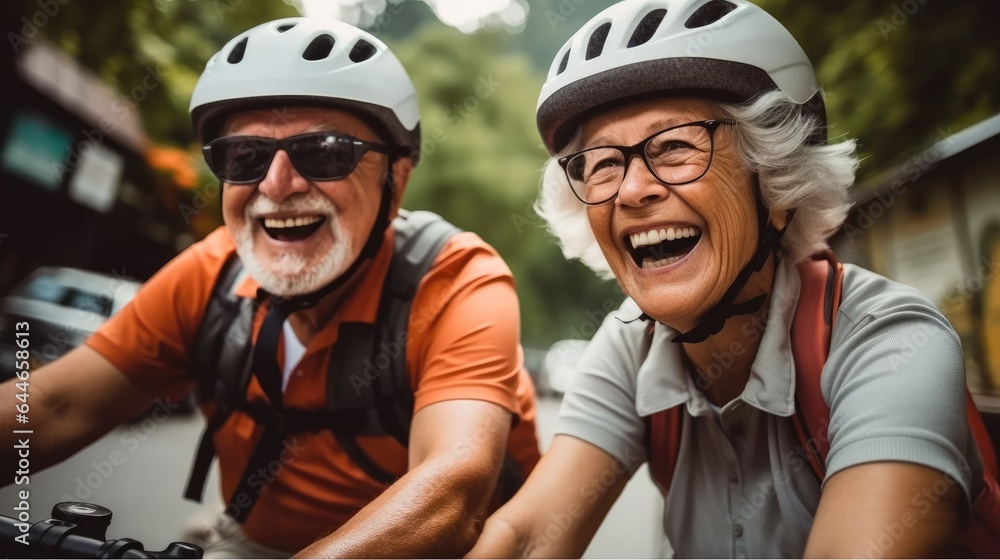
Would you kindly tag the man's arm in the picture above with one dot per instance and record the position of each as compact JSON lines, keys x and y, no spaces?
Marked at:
{"x":560,"y":507}
{"x":438,"y":508}
{"x":73,"y":402}
{"x":887,"y":509}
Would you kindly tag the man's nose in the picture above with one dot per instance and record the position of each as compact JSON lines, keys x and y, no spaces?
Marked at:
{"x":282,"y":179}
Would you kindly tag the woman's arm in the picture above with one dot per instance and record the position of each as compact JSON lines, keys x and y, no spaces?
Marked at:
{"x":902,"y":467}
{"x":560,"y":507}
{"x":887,"y":509}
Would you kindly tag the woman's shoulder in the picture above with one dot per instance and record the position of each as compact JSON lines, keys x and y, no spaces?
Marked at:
{"x":625,"y":330}
{"x":890,"y":335}
{"x":868,"y":296}
{"x":620,"y":344}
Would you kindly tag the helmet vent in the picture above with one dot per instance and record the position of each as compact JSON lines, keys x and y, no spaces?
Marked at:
{"x":562,"y":65}
{"x":319,"y":48}
{"x":596,"y":43}
{"x":362,"y":51}
{"x":646,"y":28}
{"x":709,"y":13}
{"x":236,"y":54}
{"x":285,"y":27}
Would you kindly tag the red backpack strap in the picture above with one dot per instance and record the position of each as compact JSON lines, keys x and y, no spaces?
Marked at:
{"x":981,"y":537}
{"x":663,"y":440}
{"x":982,"y":437}
{"x":663,"y":433}
{"x":821,"y":279}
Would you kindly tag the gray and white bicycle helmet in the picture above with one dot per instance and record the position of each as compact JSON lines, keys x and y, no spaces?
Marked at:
{"x":730,"y":50}
{"x":309,"y":61}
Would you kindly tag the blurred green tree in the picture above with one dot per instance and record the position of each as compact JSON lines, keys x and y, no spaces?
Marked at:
{"x":898,"y":76}
{"x":481,"y":168}
{"x":120,"y":40}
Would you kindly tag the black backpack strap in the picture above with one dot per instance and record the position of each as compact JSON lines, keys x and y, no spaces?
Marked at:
{"x":368,"y":372}
{"x":221,"y":361}
{"x":420,"y":235}
{"x":350,"y":391}
{"x":223,"y":342}
{"x":368,"y":390}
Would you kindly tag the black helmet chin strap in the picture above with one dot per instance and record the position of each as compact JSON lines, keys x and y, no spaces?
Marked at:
{"x":265,"y":352}
{"x":768,"y":243}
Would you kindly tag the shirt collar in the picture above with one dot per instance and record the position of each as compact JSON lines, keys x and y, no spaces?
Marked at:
{"x":663,"y":381}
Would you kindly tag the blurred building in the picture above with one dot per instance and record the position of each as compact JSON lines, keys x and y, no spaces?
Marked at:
{"x":75,"y":179}
{"x":933,"y":222}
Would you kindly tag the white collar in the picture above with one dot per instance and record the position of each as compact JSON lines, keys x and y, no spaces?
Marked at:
{"x":663,"y":383}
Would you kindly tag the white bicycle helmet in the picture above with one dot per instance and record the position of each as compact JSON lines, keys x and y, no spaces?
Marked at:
{"x":309,"y":61}
{"x":729,"y":50}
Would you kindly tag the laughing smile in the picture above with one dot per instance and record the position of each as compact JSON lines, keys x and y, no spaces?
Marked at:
{"x":658,"y":247}
{"x":292,"y":228}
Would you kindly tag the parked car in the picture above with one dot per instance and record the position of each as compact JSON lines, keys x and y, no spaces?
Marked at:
{"x":62,"y":307}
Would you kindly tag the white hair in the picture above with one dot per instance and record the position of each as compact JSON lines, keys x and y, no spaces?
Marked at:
{"x":293,"y":274}
{"x":773,"y":137}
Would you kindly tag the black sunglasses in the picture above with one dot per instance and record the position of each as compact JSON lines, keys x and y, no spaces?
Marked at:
{"x":317,"y":156}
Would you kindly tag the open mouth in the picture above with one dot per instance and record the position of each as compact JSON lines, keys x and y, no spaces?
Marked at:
{"x":291,"y":229}
{"x":656,"y":248}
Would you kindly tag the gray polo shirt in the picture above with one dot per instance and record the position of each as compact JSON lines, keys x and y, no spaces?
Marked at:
{"x":894,"y":380}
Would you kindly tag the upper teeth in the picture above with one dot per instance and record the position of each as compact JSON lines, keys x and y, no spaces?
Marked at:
{"x":276,"y":223}
{"x":654,"y":236}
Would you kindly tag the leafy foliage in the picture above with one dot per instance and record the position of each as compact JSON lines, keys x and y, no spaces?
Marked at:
{"x":901,"y":75}
{"x":898,"y":76}
{"x":481,"y":167}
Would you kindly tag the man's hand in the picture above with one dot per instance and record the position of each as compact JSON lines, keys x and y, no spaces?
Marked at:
{"x":887,"y":509}
{"x":438,"y":508}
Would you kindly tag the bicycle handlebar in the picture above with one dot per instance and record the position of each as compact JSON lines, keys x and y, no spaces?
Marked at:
{"x":76,"y":530}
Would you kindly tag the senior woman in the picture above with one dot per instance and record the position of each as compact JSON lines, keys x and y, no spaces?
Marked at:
{"x":690,"y":160}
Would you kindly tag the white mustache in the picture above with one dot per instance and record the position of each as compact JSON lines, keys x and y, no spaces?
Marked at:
{"x":260,"y":205}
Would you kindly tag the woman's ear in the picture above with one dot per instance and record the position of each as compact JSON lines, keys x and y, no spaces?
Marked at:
{"x":780,"y":218}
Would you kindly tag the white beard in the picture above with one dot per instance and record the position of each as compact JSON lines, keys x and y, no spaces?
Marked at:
{"x":294,"y":274}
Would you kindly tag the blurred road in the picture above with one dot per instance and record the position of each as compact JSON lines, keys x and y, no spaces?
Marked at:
{"x":633,"y":528}
{"x":139,"y":472}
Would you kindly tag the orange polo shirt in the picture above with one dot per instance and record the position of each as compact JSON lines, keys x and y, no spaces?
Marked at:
{"x":464,"y":343}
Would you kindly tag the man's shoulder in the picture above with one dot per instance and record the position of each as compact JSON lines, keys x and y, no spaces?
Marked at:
{"x":466,"y":256}
{"x":218,"y":245}
{"x":192,"y":273}
{"x":203,"y":258}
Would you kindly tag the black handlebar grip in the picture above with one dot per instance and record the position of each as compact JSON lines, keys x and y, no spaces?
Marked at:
{"x":62,"y":538}
{"x":181,"y":550}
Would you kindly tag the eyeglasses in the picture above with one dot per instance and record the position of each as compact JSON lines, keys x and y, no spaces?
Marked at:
{"x":317,"y":156}
{"x":675,"y":156}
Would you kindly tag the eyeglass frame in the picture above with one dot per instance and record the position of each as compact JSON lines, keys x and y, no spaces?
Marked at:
{"x":639,"y":149}
{"x":284,"y":143}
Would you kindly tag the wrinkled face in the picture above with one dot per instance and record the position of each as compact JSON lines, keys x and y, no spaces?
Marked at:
{"x":705,"y":231}
{"x":293,"y":234}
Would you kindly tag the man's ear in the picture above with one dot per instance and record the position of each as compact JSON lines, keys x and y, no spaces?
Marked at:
{"x":401,"y":170}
